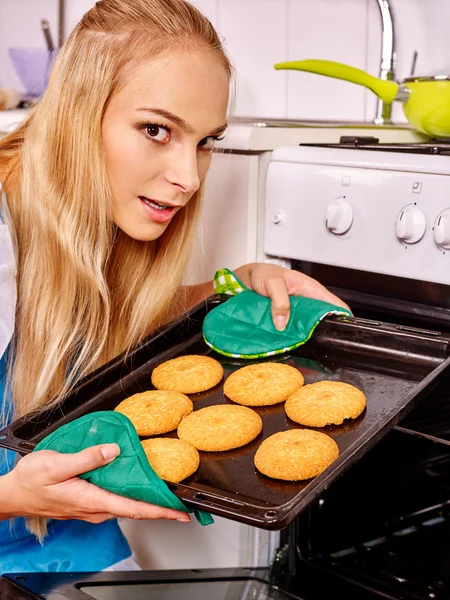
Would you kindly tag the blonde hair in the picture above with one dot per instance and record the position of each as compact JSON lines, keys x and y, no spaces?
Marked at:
{"x":78,"y":305}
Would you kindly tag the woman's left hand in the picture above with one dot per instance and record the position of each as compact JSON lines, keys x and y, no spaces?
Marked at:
{"x":279,"y":283}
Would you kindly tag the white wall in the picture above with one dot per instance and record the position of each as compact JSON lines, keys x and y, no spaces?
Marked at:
{"x":258,"y":33}
{"x":20,"y":28}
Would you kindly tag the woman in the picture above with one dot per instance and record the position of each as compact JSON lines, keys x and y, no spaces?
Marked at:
{"x":103,"y":185}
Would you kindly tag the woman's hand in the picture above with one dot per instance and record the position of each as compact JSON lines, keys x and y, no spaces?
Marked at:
{"x":45,"y":484}
{"x":279,"y":283}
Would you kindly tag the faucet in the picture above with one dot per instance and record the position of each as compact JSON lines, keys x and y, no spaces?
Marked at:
{"x":388,"y":58}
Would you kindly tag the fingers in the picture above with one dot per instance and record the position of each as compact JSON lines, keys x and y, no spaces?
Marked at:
{"x":120,"y":506}
{"x":101,"y":501}
{"x":279,"y":283}
{"x":281,"y":305}
{"x":303,"y":285}
{"x":58,"y":467}
{"x":50,"y":487}
{"x":112,"y":504}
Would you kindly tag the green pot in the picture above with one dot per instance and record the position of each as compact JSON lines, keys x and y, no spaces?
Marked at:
{"x":426,"y":100}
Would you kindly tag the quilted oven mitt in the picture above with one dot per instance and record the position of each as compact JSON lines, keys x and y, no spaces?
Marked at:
{"x":130,"y":474}
{"x":242,"y":327}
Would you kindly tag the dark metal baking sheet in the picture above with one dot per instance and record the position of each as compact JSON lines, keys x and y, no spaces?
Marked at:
{"x":395,"y":366}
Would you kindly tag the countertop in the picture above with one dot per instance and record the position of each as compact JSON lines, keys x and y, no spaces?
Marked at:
{"x":266,"y":134}
{"x":9,"y":119}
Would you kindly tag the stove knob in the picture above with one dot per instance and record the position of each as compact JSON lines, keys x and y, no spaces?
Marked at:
{"x":339,"y":216}
{"x":410,"y":225}
{"x":278,"y":217}
{"x":441,"y":230}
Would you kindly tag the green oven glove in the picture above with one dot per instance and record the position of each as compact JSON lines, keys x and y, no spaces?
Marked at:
{"x":130,"y":474}
{"x":242,"y":327}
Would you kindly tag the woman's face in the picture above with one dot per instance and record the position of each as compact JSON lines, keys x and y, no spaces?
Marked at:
{"x":158,"y":134}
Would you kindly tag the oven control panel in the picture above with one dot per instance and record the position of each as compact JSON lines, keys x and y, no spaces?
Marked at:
{"x":383,"y":212}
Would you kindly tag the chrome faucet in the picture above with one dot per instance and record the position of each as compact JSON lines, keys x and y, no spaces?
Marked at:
{"x":388,"y":58}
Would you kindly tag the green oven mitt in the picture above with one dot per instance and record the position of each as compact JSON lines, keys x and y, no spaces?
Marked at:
{"x":130,"y":474}
{"x":242,"y":327}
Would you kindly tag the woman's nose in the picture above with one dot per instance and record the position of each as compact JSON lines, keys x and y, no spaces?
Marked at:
{"x":183,"y":171}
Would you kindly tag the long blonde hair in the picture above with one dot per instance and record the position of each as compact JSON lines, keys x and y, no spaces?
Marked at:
{"x":86,"y":291}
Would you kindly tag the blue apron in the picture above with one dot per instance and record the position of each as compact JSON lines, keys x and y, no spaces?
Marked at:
{"x":70,"y":545}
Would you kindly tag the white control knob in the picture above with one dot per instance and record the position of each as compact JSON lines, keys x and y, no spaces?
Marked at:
{"x":278,"y":217}
{"x":441,"y":230}
{"x":410,"y":225}
{"x":339,"y":216}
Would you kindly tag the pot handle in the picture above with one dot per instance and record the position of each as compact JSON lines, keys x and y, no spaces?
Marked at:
{"x":386,"y":90}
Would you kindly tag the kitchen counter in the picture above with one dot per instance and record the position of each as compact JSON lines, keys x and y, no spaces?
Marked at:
{"x":266,"y":134}
{"x":9,"y":119}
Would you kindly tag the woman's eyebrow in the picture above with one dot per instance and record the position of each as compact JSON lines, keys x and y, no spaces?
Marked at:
{"x":179,"y":121}
{"x":219,"y":130}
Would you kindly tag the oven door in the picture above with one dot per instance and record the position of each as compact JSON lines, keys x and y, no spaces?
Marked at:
{"x":209,"y":584}
{"x":303,"y":583}
{"x":385,"y":526}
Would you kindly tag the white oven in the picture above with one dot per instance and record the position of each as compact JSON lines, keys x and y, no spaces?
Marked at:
{"x":381,"y":209}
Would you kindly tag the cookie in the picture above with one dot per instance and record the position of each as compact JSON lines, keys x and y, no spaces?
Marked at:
{"x":296,"y":454}
{"x":325,"y":403}
{"x":220,"y":427}
{"x":171,"y":459}
{"x":262,"y":384}
{"x":155,"y":412}
{"x":188,"y":374}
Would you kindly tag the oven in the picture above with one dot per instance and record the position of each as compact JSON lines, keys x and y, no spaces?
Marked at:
{"x":372,"y":222}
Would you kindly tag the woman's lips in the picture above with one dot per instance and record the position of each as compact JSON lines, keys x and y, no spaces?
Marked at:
{"x":160,"y":215}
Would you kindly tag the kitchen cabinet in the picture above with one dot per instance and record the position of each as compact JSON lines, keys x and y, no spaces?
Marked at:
{"x":228,"y":233}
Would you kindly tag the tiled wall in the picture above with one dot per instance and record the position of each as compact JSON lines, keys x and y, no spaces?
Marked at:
{"x":258,"y":33}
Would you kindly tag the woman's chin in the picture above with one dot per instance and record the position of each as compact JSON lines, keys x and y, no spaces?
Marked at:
{"x":141,"y":232}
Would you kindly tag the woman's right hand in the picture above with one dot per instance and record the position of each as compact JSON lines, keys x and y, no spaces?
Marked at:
{"x":45,"y":484}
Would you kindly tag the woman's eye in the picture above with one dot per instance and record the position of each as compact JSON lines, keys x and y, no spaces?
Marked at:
{"x":158,"y":133}
{"x":209,"y":142}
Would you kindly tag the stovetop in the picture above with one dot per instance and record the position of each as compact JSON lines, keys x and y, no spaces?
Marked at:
{"x":434,"y":146}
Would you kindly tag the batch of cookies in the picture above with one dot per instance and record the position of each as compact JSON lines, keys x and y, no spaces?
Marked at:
{"x":290,"y":455}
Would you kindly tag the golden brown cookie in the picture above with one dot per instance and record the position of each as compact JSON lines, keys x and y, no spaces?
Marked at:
{"x":296,"y":454}
{"x":220,"y":427}
{"x":171,"y":459}
{"x":325,"y":403}
{"x":188,"y":374}
{"x":155,"y":412}
{"x":262,"y":384}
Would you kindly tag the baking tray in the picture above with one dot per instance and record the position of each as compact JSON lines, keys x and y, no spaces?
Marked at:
{"x":395,"y":366}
